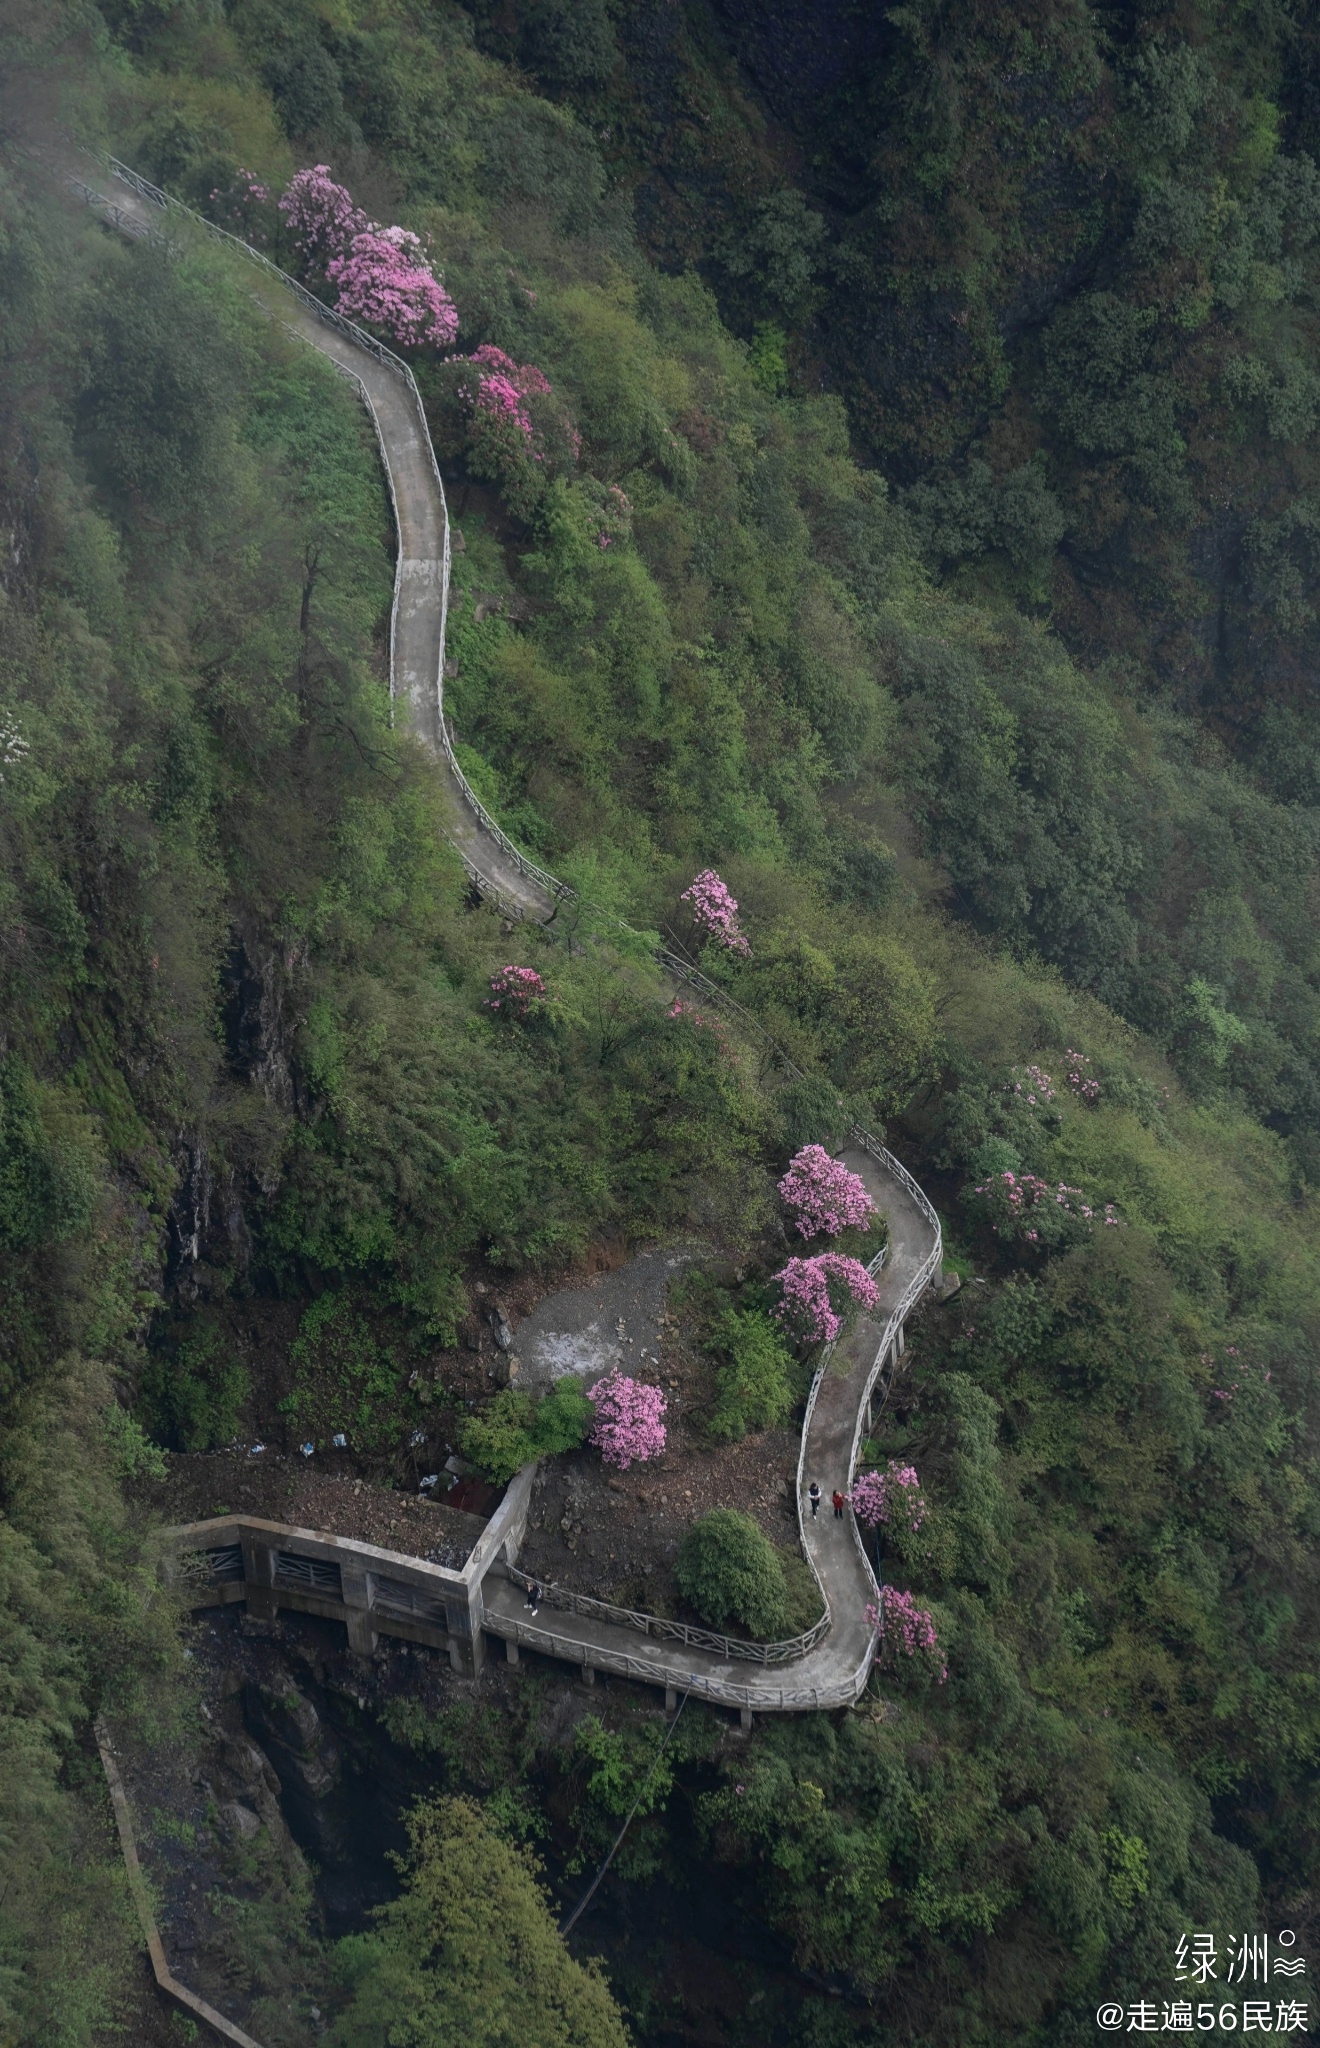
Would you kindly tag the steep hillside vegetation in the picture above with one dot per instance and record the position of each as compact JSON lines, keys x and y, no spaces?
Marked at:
{"x":707,"y":612}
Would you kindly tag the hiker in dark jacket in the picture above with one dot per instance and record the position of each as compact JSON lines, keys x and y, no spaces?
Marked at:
{"x":533,"y":1597}
{"x":813,"y":1495}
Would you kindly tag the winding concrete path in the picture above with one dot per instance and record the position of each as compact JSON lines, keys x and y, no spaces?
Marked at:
{"x":833,"y":1671}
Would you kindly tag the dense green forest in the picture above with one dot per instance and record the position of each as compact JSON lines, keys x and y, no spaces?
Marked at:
{"x":927,"y":536}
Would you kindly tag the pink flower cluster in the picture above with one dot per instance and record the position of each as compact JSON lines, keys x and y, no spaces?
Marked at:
{"x":382,"y":274}
{"x":824,"y":1195}
{"x":504,"y":387}
{"x":1019,"y":1195}
{"x":386,"y":280}
{"x":1035,"y":1087}
{"x":516,"y":991}
{"x":893,"y":1495}
{"x":1227,"y":1393}
{"x":688,"y":1013}
{"x":629,"y":1427}
{"x":805,"y":1302}
{"x":715,"y":911}
{"x":321,"y":215}
{"x":616,"y":509}
{"x":1081,"y":1083}
{"x":900,"y":1622}
{"x":242,"y":204}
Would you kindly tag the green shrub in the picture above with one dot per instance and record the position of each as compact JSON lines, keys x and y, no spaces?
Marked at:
{"x":516,"y":1428}
{"x":344,"y":1378}
{"x":194,"y":1395}
{"x":730,"y":1572}
{"x":753,"y":1389}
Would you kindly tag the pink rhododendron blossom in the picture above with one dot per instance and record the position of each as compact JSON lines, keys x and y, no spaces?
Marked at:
{"x":516,"y":992}
{"x":382,"y":273}
{"x":892,"y":1498}
{"x":321,"y":215}
{"x":808,"y":1301}
{"x":1022,"y":1205}
{"x":1034,"y":1087}
{"x":386,"y":280}
{"x":629,"y":1427}
{"x":824,"y":1195}
{"x":715,"y":911}
{"x":1081,"y":1083}
{"x":688,"y":1013}
{"x":244,"y":206}
{"x":904,"y":1627}
{"x":504,"y":387}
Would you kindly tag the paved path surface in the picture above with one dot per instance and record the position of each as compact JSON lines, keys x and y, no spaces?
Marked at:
{"x":834,"y":1672}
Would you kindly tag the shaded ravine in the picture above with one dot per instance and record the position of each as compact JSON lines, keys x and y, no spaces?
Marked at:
{"x":834,"y":1671}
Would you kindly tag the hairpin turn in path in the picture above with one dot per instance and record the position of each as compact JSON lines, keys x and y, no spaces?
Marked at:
{"x":829,"y":1666}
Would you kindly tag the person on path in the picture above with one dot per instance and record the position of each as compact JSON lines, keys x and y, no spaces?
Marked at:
{"x":533,"y":1597}
{"x":840,"y":1503}
{"x":813,"y":1495}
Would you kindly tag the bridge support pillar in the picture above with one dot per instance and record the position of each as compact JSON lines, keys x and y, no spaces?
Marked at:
{"x":588,"y":1674}
{"x":259,"y":1575}
{"x":511,"y":1649}
{"x":362,"y":1636}
{"x":745,"y":1714}
{"x":358,"y":1594}
{"x":671,"y":1698}
{"x":900,"y":1343}
{"x":467,"y":1637}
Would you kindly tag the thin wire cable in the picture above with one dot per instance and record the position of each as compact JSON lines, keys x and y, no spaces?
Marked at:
{"x":590,"y":1892}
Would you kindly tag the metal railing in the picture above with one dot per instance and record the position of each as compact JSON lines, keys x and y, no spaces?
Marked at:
{"x":760,"y":1698}
{"x":660,"y":1629}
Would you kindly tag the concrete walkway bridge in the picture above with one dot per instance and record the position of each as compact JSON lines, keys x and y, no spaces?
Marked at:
{"x":374,"y":1591}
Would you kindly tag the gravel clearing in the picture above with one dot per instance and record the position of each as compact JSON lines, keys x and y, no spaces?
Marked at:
{"x":279,"y":1489}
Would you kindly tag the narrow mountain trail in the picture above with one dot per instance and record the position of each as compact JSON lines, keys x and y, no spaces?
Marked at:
{"x":829,"y":1666}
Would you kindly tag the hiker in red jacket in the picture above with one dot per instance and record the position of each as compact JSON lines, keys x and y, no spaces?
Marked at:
{"x":840,"y":1503}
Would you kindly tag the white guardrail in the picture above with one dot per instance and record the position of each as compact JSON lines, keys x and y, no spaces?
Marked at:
{"x":560,"y":892}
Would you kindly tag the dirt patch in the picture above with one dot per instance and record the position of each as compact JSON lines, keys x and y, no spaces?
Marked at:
{"x":201,"y":1484}
{"x":617,"y":1319}
{"x":615,"y":1535}
{"x":623,"y":1529}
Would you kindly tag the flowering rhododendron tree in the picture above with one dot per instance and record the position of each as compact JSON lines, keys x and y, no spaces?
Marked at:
{"x":715,"y":911}
{"x":321,"y":215}
{"x":244,"y":206}
{"x":904,"y":1627}
{"x":1032,"y":1086}
{"x":503,"y":388}
{"x":382,"y":274}
{"x":688,"y":1013}
{"x":1024,"y":1207}
{"x":812,"y":1292}
{"x":516,"y":992}
{"x":615,"y":517}
{"x":824,"y":1196}
{"x":892,"y":1498}
{"x":386,"y":280}
{"x":1082,"y":1084}
{"x":518,"y":434}
{"x":629,"y":1427}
